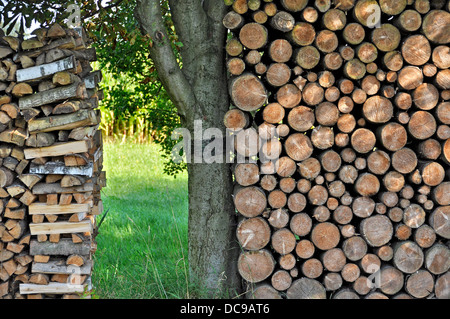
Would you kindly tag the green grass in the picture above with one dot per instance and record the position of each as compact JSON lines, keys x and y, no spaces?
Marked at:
{"x":142,"y":244}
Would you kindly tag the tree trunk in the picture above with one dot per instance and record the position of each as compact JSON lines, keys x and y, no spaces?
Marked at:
{"x":199,"y":91}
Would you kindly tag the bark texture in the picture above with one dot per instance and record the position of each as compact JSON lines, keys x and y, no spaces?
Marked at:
{"x":199,"y":91}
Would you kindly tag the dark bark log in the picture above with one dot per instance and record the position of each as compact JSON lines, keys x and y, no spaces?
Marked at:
{"x":282,"y":21}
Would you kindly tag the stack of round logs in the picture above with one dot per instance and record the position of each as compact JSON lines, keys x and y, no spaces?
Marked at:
{"x":341,"y":112}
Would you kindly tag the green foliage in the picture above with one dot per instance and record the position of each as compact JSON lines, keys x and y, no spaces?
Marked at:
{"x":134,"y":92}
{"x":136,"y":105}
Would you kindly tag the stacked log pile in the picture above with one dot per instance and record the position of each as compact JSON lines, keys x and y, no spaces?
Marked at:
{"x":51,"y":163}
{"x":340,"y":113}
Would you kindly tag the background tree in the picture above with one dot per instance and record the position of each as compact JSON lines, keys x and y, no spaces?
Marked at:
{"x":199,"y":91}
{"x":181,"y":47}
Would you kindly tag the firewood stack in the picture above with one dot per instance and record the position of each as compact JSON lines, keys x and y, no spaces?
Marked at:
{"x":51,"y":156}
{"x":341,"y":110}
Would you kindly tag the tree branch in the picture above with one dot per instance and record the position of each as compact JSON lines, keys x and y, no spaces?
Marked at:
{"x":148,"y":14}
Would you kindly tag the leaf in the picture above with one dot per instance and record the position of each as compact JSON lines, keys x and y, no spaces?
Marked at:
{"x":133,"y":40}
{"x":12,"y":24}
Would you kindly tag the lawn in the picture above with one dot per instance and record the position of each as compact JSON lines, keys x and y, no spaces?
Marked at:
{"x":142,"y":244}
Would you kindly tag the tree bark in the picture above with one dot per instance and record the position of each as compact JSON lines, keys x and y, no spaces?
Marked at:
{"x":199,"y":91}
